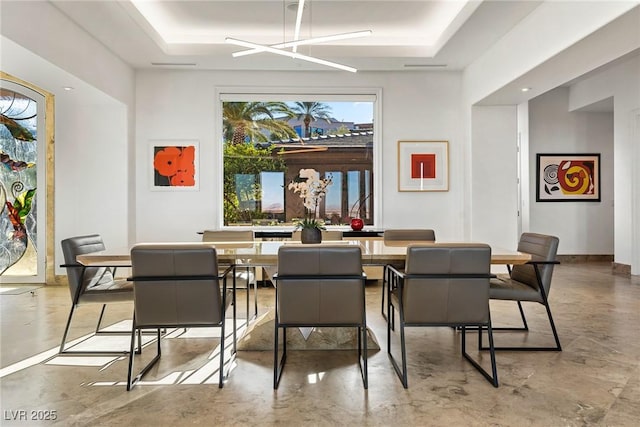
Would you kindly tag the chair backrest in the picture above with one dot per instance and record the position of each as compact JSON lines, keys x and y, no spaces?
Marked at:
{"x":418,"y":235}
{"x":320,"y":285}
{"x":227,"y":236}
{"x":447,"y":300}
{"x":329,"y":235}
{"x":176,"y":285}
{"x":93,"y":276}
{"x":542,"y":247}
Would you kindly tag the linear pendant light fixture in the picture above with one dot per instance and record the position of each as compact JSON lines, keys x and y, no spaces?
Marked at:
{"x":295,"y":55}
{"x":314,"y":40}
{"x":296,"y":34}
{"x":279,"y":49}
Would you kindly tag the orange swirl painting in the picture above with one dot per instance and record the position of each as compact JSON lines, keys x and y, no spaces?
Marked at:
{"x":568,"y":177}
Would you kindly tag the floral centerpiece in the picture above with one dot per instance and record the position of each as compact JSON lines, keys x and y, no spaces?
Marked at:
{"x":312,"y":189}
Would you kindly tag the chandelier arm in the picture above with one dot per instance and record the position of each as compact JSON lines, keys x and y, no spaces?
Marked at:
{"x":296,"y":34}
{"x":295,"y":55}
{"x":321,"y":39}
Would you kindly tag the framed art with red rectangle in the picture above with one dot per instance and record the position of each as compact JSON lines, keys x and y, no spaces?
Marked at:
{"x":423,"y":166}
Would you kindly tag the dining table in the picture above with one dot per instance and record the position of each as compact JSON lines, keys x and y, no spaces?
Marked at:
{"x":265,"y":253}
{"x":258,"y":253}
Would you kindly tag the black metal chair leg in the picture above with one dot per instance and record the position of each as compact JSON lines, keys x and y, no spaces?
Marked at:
{"x":525,"y":327}
{"x":553,"y":328}
{"x":66,"y":329}
{"x":255,"y":293}
{"x":235,"y":326}
{"x":405,"y":380}
{"x":558,"y":347}
{"x":139,"y":350}
{"x":493,"y":378}
{"x":402,"y":373}
{"x":104,"y":306}
{"x":131,"y":382}
{"x":275,"y":356}
{"x":365,"y":373}
{"x":278,"y":363}
{"x":64,"y":351}
{"x":222,"y":338}
{"x":524,"y":320}
{"x":131,"y":350}
{"x":385,"y":274}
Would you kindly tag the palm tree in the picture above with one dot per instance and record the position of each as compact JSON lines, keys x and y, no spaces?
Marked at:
{"x":310,"y":112}
{"x":242,"y":119}
{"x":255,"y":120}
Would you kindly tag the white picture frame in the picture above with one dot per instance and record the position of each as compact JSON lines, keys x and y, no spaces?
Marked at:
{"x":174,"y":165}
{"x":423,"y":166}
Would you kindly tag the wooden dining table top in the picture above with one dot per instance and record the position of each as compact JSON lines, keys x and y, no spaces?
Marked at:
{"x":374,"y":252}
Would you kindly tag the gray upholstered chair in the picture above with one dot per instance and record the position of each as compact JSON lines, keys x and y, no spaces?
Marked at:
{"x":411,"y":235}
{"x":443,"y":285}
{"x":177,"y":285}
{"x":90,"y":285}
{"x":244,"y":275}
{"x":529,"y":282}
{"x":417,"y":234}
{"x":327,"y":235}
{"x":319,"y":286}
{"x":227,"y":236}
{"x":296,"y":235}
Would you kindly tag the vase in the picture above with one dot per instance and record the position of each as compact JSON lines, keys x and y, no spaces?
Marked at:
{"x":311,"y":235}
{"x":357,"y":224}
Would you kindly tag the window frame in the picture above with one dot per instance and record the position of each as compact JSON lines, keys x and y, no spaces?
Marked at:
{"x":243,"y":94}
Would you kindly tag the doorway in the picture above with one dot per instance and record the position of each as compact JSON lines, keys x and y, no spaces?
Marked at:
{"x":26,"y":138}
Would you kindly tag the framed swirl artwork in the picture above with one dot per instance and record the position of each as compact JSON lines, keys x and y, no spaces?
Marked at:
{"x":568,"y":177}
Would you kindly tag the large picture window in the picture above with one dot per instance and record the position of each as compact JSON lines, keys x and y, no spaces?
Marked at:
{"x":268,"y":139}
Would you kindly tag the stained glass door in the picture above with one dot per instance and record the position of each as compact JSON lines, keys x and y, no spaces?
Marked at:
{"x":22,"y":184}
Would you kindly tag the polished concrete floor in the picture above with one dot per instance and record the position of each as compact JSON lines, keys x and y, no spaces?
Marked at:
{"x":595,"y":380}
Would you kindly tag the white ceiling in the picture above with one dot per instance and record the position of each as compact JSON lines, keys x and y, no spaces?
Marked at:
{"x":407,"y":35}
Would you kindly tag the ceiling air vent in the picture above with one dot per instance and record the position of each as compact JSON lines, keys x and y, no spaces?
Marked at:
{"x":425,"y":65}
{"x":174,"y":64}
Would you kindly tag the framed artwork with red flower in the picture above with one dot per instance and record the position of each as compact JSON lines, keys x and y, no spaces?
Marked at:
{"x":423,"y":165}
{"x":174,"y":165}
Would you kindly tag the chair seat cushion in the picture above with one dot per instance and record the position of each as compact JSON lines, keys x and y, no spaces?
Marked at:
{"x":114,"y":291}
{"x":243,"y":277}
{"x":505,"y":288}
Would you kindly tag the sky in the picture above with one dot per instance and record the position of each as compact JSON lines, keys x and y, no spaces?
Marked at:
{"x":357,"y":112}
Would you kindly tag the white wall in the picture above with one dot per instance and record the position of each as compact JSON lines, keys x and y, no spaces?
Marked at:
{"x":494,"y":185}
{"x":90,"y":152}
{"x":523,"y":168}
{"x":558,"y":41}
{"x":582,"y":227}
{"x":42,"y":29}
{"x":528,"y":57}
{"x":91,"y":172}
{"x":177,"y":105}
{"x":182,"y":105}
{"x":94,"y":122}
{"x":635,"y":188}
{"x":621,"y":81}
